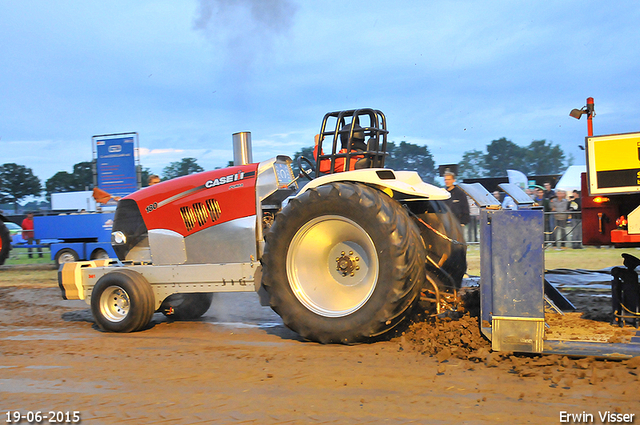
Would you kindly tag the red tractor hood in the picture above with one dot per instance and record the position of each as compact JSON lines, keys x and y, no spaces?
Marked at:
{"x":192,"y":203}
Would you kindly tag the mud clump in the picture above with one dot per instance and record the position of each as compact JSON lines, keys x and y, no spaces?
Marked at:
{"x":445,"y":338}
{"x":455,"y":333}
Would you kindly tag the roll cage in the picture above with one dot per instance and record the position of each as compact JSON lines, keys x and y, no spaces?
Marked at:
{"x":375,"y":134}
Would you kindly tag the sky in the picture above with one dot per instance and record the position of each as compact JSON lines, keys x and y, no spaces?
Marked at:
{"x":185,"y":75}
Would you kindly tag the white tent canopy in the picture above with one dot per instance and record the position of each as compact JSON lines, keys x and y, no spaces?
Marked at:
{"x":570,"y":180}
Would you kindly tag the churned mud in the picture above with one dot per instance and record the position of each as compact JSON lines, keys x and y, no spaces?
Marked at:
{"x":239,"y":364}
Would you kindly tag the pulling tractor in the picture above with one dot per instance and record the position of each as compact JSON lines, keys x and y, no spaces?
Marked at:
{"x":342,"y":259}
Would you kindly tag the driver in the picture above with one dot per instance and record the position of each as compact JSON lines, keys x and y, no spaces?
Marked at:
{"x":357,"y":145}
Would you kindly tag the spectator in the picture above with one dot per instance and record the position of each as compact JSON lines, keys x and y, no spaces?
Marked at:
{"x":531,"y":193}
{"x":153,"y":179}
{"x":560,"y":206}
{"x":538,"y":197}
{"x":543,"y":202}
{"x":474,"y":219}
{"x":28,"y":235}
{"x":458,"y":201}
{"x":575,"y":206}
{"x":509,"y":203}
{"x":548,"y":192}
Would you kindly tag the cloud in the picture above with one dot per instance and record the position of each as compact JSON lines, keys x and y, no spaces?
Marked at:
{"x":154,"y":152}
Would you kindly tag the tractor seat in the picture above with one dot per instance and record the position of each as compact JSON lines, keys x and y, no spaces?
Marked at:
{"x":372,"y":146}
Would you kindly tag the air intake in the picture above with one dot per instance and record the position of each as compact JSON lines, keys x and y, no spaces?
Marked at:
{"x":199,"y":213}
{"x":189,"y":218}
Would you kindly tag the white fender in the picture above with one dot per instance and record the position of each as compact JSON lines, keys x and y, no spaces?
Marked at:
{"x":406,"y":182}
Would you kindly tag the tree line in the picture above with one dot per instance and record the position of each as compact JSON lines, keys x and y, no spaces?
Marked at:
{"x":18,"y":181}
{"x":538,"y":158}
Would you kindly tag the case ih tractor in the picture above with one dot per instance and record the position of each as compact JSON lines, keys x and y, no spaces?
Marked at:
{"x":343,"y":259}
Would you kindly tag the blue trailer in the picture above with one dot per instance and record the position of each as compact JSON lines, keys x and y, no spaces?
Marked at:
{"x":81,"y":236}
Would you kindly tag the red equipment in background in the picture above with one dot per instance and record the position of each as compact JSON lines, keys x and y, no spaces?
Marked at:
{"x":611,"y":186}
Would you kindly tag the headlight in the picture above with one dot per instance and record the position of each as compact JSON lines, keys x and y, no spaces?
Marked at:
{"x":118,"y":238}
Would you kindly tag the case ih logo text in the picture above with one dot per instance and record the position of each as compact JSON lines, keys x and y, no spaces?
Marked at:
{"x":224,"y":180}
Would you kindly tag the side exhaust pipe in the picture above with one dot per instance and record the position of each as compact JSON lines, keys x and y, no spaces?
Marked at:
{"x":242,"y":154}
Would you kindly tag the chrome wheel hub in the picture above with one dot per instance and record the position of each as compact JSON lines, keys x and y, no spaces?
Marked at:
{"x":114,"y":303}
{"x":332,"y":266}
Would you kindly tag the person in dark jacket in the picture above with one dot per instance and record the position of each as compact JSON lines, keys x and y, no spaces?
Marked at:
{"x":458,"y":202}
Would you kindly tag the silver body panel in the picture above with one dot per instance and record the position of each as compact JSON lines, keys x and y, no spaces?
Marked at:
{"x":230,"y":242}
{"x":184,"y":278}
{"x":167,"y":247}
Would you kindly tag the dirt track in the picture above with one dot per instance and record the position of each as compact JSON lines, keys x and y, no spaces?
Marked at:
{"x":240,"y":365}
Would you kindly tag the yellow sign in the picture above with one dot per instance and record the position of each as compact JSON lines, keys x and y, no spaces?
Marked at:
{"x":613,"y":164}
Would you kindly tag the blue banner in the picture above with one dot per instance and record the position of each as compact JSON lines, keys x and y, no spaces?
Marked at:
{"x":116,"y":165}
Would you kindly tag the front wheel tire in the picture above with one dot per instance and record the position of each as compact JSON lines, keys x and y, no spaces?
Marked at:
{"x":122,"y":301}
{"x":343,"y":263}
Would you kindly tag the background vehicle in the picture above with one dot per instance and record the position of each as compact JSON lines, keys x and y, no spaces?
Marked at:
{"x":73,"y":237}
{"x":15,"y":231}
{"x":344,"y":261}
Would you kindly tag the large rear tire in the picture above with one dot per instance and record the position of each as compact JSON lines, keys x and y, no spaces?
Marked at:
{"x":343,"y":263}
{"x":186,"y":306}
{"x":447,"y":248}
{"x":5,"y":243}
{"x":122,"y":301}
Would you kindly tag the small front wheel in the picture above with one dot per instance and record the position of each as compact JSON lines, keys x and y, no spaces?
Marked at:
{"x":122,"y":301}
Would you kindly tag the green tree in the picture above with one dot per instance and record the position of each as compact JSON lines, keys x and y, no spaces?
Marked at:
{"x":411,"y":157}
{"x":60,"y":182}
{"x":83,"y":175}
{"x":472,"y":165}
{"x":184,"y":167}
{"x":544,"y":158}
{"x":144,"y":176}
{"x":80,"y":179}
{"x":503,"y":154}
{"x":16,"y":183}
{"x":538,"y":158}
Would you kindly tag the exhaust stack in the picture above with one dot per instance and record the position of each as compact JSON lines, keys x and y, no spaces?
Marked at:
{"x":242,"y":154}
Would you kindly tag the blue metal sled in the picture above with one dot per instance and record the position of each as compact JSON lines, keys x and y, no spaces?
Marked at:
{"x":512,"y":284}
